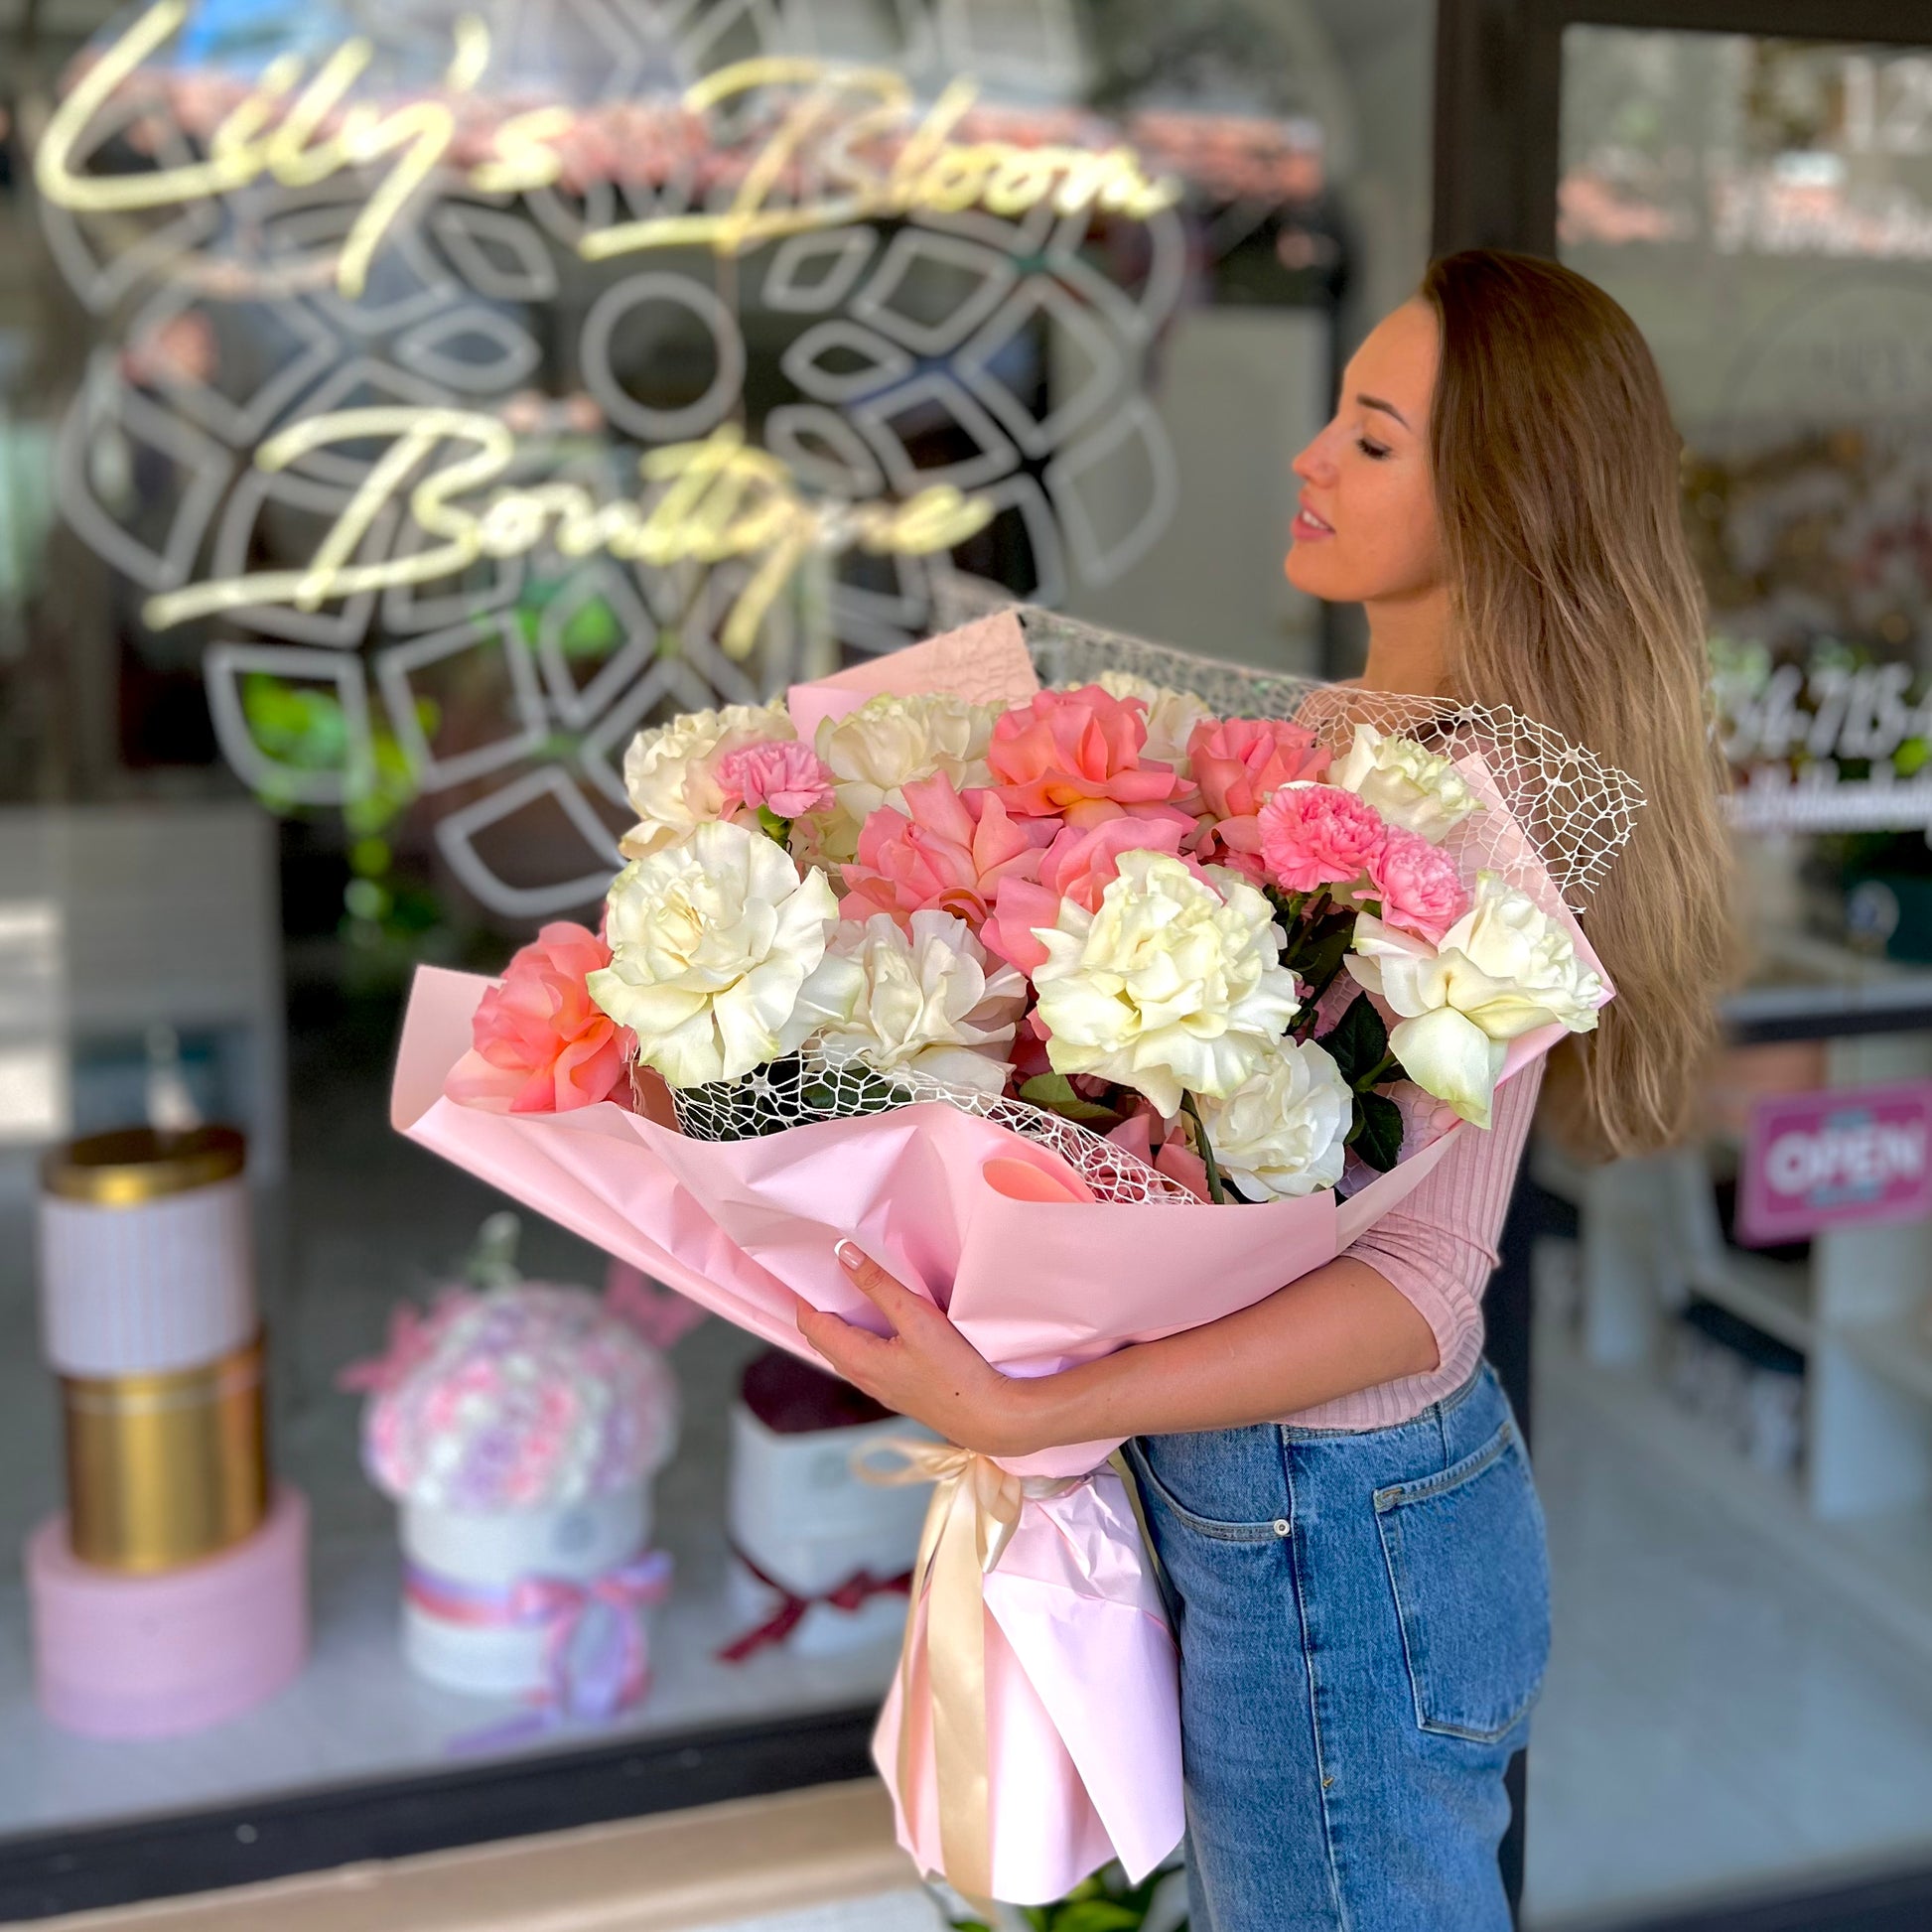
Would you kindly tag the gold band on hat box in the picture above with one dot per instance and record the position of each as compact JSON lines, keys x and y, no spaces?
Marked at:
{"x":164,"y":1471}
{"x":139,"y":1164}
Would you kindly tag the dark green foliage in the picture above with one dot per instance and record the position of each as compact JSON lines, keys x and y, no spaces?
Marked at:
{"x":1106,"y":1903}
{"x":1359,"y":1043}
{"x":1058,"y":1095}
{"x":1376,"y":1136}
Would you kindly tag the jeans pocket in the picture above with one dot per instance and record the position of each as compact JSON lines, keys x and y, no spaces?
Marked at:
{"x":1190,"y":1466}
{"x":1470,"y":1571}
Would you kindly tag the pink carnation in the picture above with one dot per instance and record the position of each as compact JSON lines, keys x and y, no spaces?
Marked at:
{"x":541,"y":1043}
{"x":1319,"y":835}
{"x":1080,"y":865}
{"x":1078,"y":755}
{"x":786,"y":776}
{"x":947,"y":851}
{"x":1417,"y":885}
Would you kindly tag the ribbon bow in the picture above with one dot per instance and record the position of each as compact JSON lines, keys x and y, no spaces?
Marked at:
{"x":595,"y":1656}
{"x":970,"y":1521}
{"x":596,"y":1651}
{"x":858,"y":1589}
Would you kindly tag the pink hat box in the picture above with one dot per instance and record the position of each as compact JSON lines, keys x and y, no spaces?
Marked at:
{"x":121,"y":1656}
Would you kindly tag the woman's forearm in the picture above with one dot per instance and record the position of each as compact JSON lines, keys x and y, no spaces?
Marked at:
{"x":1337,"y":1329}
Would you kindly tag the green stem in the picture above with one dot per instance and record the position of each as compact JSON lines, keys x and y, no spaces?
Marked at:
{"x":1376,"y":1073}
{"x":1316,"y":988}
{"x":1216,"y":1192}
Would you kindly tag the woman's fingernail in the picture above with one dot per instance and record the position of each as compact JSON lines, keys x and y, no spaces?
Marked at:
{"x":849,"y":1257}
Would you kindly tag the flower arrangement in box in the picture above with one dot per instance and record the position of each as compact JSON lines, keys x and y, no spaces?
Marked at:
{"x":518,"y":1428}
{"x":822,"y":1560}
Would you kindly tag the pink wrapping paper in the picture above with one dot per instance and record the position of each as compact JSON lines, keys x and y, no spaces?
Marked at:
{"x":1083,"y":1711}
{"x":983,"y":663}
{"x":1083,"y":1708}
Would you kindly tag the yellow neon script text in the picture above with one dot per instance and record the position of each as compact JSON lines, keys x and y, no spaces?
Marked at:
{"x":300,"y":132}
{"x":719,"y":500}
{"x":276,"y":130}
{"x":838,"y":112}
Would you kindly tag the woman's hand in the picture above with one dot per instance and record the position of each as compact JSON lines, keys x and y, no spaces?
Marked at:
{"x":926,"y":1369}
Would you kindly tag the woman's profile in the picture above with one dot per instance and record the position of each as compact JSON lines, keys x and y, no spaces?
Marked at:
{"x":1333,"y":1480}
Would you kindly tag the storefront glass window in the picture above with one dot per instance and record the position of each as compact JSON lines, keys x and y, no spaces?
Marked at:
{"x":399,"y":408}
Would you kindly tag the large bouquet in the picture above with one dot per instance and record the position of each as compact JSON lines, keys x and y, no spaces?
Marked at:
{"x":1007,"y":957}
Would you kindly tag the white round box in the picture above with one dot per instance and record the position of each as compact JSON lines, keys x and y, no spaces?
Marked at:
{"x":800,"y":1509}
{"x":575,"y":1541}
{"x":826,"y":1629}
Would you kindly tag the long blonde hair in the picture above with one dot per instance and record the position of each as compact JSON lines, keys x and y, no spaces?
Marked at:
{"x":1575,"y":601}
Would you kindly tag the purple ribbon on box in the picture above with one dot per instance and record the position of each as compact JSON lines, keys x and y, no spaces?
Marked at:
{"x":596,"y":1656}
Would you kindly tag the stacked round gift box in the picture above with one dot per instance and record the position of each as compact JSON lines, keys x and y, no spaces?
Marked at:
{"x":171,"y":1592}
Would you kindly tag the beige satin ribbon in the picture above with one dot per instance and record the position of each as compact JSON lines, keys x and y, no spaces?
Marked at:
{"x":973,"y":1511}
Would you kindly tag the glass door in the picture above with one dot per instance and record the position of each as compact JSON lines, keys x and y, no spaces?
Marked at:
{"x":1733,"y":1360}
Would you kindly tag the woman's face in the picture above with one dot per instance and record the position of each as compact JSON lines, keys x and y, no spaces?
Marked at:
{"x":1365,"y":531}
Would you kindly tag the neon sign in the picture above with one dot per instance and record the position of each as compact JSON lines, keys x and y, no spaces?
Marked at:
{"x":300,"y":129}
{"x":722,"y":501}
{"x":398,"y":399}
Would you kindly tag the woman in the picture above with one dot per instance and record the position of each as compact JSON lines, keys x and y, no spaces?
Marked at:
{"x":1332,"y":1478}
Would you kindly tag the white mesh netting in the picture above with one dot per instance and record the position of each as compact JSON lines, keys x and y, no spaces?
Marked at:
{"x":804,"y":1087}
{"x":1563,"y":813}
{"x":1575,"y":810}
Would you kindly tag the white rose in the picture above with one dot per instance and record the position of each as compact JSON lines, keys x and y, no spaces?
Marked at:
{"x":1283,"y":1130}
{"x":718,"y":960}
{"x":1502,"y":970}
{"x":930,"y":1000}
{"x":668,"y":770}
{"x":890,"y":742}
{"x":1407,"y":783}
{"x":1170,"y":715}
{"x":1171,"y":986}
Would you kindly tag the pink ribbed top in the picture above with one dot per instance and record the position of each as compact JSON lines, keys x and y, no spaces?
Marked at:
{"x":1437,"y":1248}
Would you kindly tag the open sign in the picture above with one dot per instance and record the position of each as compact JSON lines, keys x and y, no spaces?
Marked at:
{"x":1842,"y":1156}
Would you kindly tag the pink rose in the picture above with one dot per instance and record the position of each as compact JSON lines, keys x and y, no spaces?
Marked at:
{"x":948,"y":851}
{"x":786,"y":778}
{"x":1239,"y":762}
{"x":540,"y":1043}
{"x":1417,"y":885}
{"x":1319,"y":835}
{"x":1078,"y":755}
{"x":1080,"y":865}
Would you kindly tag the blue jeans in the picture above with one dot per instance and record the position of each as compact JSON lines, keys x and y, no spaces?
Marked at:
{"x":1364,"y":1620}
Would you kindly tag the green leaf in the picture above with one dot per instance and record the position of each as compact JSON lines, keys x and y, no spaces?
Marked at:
{"x":1057,"y":1093}
{"x":1358,"y":1042}
{"x":1377,"y":1135}
{"x":1096,"y":1915}
{"x":1316,"y":953}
